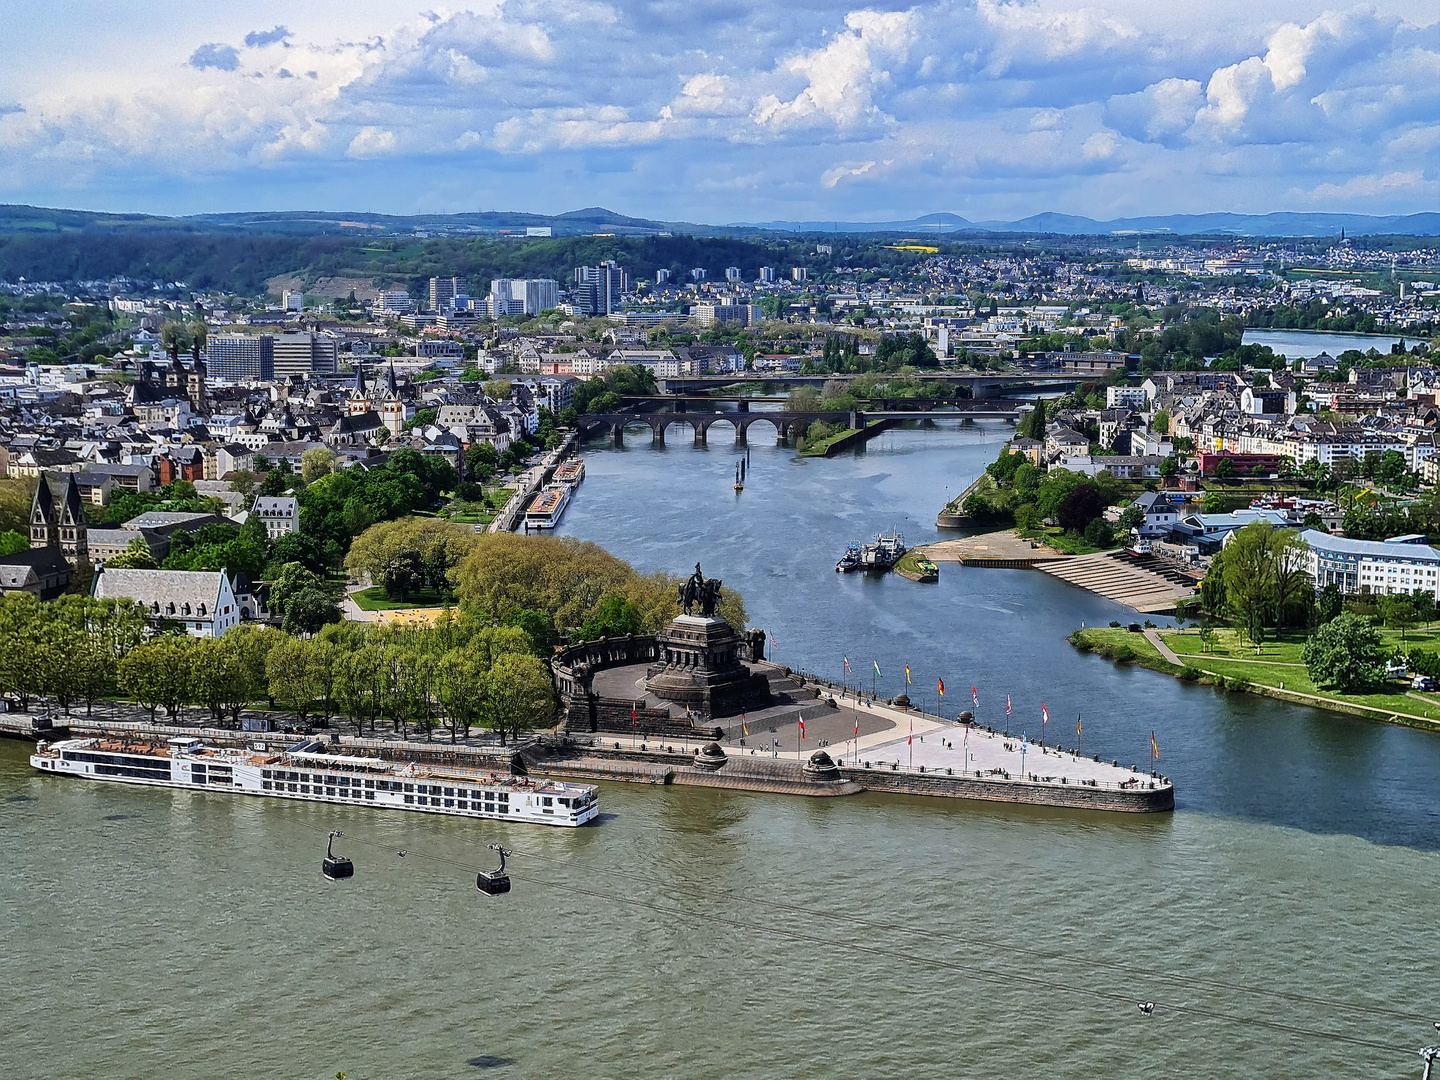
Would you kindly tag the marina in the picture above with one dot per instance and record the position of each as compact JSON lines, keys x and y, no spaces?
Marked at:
{"x":304,"y":773}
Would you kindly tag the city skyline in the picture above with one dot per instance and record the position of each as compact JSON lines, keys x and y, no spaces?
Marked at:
{"x":747,"y":113}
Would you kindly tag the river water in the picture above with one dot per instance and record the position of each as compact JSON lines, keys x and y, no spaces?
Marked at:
{"x":699,"y":933}
{"x":1307,"y":343}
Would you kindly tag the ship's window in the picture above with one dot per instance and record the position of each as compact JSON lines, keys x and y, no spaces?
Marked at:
{"x":292,"y":788}
{"x":409,"y":798}
{"x":489,"y":808}
{"x":304,"y":789}
{"x":370,"y":795}
{"x":449,"y":802}
{"x":265,"y":774}
{"x":547,"y":801}
{"x":369,"y":783}
{"x":265,"y":785}
{"x":410,"y":787}
{"x":449,"y":791}
{"x":563,"y":802}
{"x":330,"y":791}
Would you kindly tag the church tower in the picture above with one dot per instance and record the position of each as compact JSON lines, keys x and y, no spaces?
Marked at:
{"x":60,"y":523}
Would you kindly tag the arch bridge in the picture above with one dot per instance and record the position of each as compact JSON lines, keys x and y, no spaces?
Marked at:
{"x":701,"y":423}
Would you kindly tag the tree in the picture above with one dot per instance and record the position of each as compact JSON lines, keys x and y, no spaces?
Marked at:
{"x":498,"y":389}
{"x":218,"y":679}
{"x":613,"y":617}
{"x":410,"y":554}
{"x":1398,"y":612}
{"x":309,"y":611}
{"x":13,"y":542}
{"x":1082,"y":505}
{"x":1099,"y":534}
{"x":1032,"y":425}
{"x":1169,"y":467}
{"x":519,"y":695}
{"x":1160,"y":422}
{"x":1264,"y":576}
{"x":136,"y":556}
{"x":1330,"y":601}
{"x":1213,"y":503}
{"x":481,"y":460}
{"x":1224,"y":468}
{"x":1346,"y":653}
{"x":316,"y":462}
{"x":243,"y":482}
{"x":158,"y":673}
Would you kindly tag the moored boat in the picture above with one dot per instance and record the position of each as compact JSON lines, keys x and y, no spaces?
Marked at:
{"x":549,"y":505}
{"x":304,"y":773}
{"x":849,"y":561}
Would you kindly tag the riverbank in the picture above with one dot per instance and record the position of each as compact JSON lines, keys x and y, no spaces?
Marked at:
{"x":1276,"y":672}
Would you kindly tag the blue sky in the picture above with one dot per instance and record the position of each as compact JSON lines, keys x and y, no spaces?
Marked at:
{"x":724,"y":110}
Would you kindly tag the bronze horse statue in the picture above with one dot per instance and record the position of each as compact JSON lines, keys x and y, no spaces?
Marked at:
{"x":699,"y":591}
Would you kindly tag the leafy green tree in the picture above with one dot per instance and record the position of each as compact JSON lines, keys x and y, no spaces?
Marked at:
{"x":613,"y":617}
{"x":1032,"y":425}
{"x":136,"y":556}
{"x":13,"y":542}
{"x":218,"y":679}
{"x":1224,"y":468}
{"x":1346,"y":653}
{"x":1398,"y":612}
{"x":1265,"y":581}
{"x":519,"y":695}
{"x":1331,"y":602}
{"x":309,"y":611}
{"x":157,"y":673}
{"x":316,"y":462}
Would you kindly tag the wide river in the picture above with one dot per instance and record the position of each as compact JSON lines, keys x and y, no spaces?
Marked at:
{"x":1283,"y":920}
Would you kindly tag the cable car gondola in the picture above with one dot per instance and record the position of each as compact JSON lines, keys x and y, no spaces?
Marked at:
{"x":335,"y":866}
{"x":494,"y":882}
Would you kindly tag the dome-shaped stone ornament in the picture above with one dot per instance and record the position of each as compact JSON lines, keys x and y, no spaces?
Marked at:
{"x":711,"y":757}
{"x":821,"y":766}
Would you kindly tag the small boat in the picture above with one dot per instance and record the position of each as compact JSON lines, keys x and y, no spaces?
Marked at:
{"x":849,"y":561}
{"x":928,"y":570}
{"x":883,"y":554}
{"x":740,"y":475}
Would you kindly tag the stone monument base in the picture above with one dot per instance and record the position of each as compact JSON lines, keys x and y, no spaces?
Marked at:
{"x":700,"y":667}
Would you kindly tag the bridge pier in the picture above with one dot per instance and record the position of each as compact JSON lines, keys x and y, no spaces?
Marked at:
{"x":617,"y":436}
{"x":657,"y":436}
{"x":701,"y":436}
{"x":740,"y":430}
{"x":744,"y":405}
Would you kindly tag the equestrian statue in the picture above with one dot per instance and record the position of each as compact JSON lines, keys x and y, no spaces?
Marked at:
{"x":699,"y":591}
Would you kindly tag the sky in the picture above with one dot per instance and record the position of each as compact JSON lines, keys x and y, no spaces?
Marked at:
{"x":722,"y":111}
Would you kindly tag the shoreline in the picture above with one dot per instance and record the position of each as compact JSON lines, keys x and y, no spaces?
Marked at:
{"x":1085,"y":641}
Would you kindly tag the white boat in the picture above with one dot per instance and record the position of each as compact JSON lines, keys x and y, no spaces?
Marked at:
{"x":570,"y":473}
{"x":303,"y":773}
{"x":545,"y":511}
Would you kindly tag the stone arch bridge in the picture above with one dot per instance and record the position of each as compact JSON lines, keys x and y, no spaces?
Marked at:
{"x":701,"y":423}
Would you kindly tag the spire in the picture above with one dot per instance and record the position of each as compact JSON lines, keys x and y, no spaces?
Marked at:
{"x":359,"y":379}
{"x":390,"y":383}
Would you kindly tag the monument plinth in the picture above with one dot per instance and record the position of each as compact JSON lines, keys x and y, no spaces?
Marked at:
{"x":700,"y":661}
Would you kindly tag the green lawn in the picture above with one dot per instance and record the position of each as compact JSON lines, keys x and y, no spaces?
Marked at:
{"x":374,"y":599}
{"x":1055,"y":537}
{"x":1277,"y":665}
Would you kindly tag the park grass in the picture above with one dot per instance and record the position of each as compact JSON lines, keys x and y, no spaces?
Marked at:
{"x":1277,"y":667}
{"x":1055,"y":537}
{"x":374,"y":599}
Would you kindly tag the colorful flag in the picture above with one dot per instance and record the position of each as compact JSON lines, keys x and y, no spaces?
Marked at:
{"x":1007,"y":704}
{"x":744,"y":726}
{"x":773,"y":643}
{"x":1154,"y":747}
{"x":911,"y":739}
{"x":846,"y":659}
{"x":975,"y":696}
{"x":1077,"y":723}
{"x":1044,"y":714}
{"x":907,"y":674}
{"x":632,"y":716}
{"x":940,"y":686}
{"x":802,"y":729}
{"x":877,"y":669}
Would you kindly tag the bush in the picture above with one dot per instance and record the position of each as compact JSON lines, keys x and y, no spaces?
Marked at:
{"x":1115,"y":624}
{"x":1099,"y":533}
{"x":1123,"y":653}
{"x":1237,"y":684}
{"x":1190,"y":674}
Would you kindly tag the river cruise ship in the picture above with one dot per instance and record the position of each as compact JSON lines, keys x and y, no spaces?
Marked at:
{"x":570,"y":473}
{"x":545,"y":511}
{"x":304,"y":773}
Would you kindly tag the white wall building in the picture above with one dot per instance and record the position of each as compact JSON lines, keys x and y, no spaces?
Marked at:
{"x":281,"y":514}
{"x":1375,"y":566}
{"x":201,"y":601}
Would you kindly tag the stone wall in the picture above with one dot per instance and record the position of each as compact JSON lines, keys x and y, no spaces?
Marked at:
{"x":1137,"y":800}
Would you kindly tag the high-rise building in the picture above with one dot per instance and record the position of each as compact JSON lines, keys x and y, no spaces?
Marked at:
{"x":767,"y":273}
{"x":732,"y":273}
{"x":710,"y":314}
{"x":534,"y":294}
{"x":698,"y":274}
{"x":240,"y":356}
{"x":442,"y":291}
{"x":292,"y":300}
{"x":395,"y":302}
{"x":304,"y":354}
{"x":598,"y":288}
{"x":662,"y":276}
{"x":799,"y":273}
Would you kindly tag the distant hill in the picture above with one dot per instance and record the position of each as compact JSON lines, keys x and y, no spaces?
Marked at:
{"x":23,"y":220}
{"x":1278,"y":224}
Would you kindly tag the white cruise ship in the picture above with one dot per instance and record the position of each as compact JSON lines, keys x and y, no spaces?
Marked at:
{"x":303,"y":773}
{"x":545,"y":511}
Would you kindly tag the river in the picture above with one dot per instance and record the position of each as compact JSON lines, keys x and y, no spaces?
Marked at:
{"x":1307,"y":343}
{"x":698,"y":933}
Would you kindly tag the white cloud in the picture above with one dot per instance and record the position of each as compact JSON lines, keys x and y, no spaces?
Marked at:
{"x":370,"y":142}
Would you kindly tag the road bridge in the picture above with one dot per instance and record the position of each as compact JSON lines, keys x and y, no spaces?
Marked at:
{"x":979,"y":385}
{"x":700,"y":423}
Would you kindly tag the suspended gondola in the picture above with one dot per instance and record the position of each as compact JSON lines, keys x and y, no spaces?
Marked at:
{"x":494,"y":882}
{"x":335,"y":866}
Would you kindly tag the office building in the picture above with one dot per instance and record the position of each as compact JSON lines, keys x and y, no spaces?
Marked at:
{"x":534,"y":294}
{"x":442,"y":291}
{"x":395,"y":303}
{"x":1399,"y":565}
{"x":710,"y":314}
{"x":304,"y":354}
{"x":767,"y":273}
{"x":598,"y":289}
{"x":240,"y":357}
{"x":292,"y":300}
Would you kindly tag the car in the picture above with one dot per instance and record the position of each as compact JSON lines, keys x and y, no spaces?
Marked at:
{"x":1422,"y":682}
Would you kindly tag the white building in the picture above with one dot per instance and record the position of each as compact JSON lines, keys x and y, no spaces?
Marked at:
{"x":767,"y":273}
{"x":534,"y":295}
{"x":732,"y":273}
{"x":1397,"y":565}
{"x":799,"y":273}
{"x":201,"y":601}
{"x":394,"y":302}
{"x":1125,"y":397}
{"x":710,"y":314}
{"x":281,"y":514}
{"x":292,"y":300}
